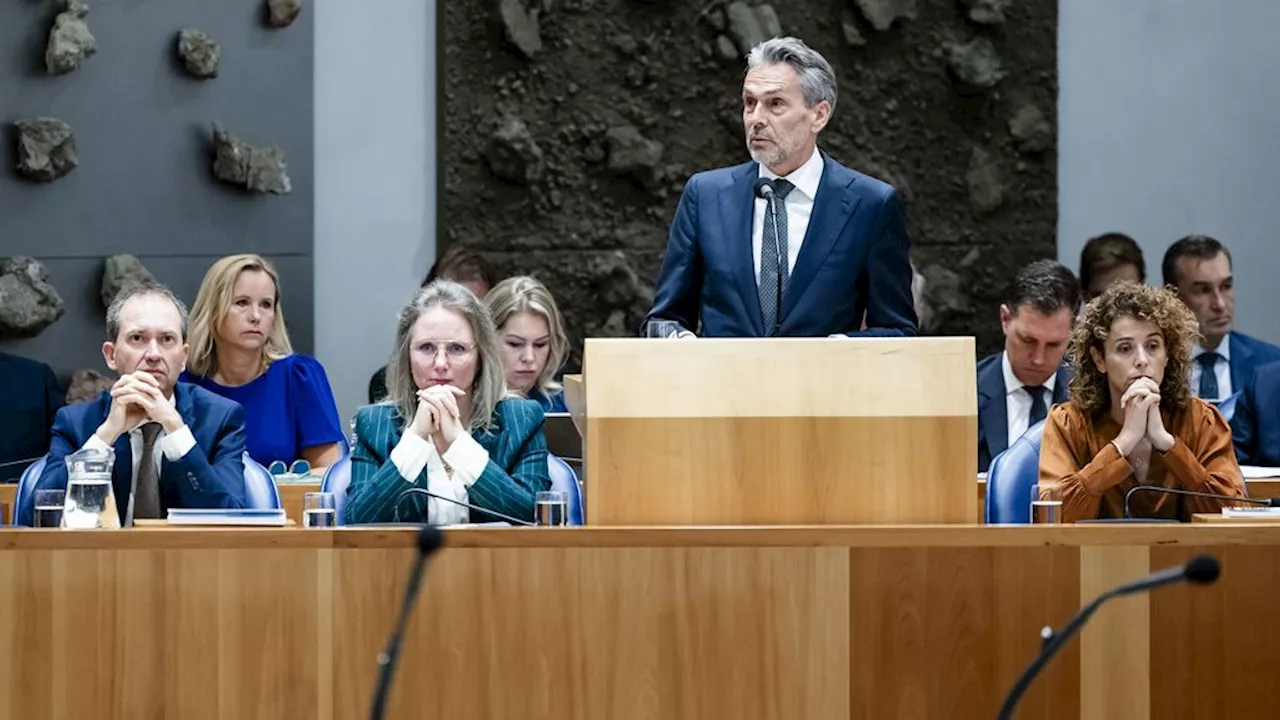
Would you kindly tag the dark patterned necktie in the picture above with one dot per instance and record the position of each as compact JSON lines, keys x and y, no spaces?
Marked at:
{"x":1208,"y":376}
{"x":146,"y":496}
{"x":1038,"y":409}
{"x":774,"y":272}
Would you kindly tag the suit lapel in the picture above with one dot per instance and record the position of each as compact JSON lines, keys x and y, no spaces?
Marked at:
{"x":831,"y":210}
{"x":737,"y":205}
{"x":1062,"y":386}
{"x":993,"y":412}
{"x":1240,"y":358}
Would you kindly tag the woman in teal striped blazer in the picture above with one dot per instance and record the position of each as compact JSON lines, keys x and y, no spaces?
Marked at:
{"x":448,"y":424}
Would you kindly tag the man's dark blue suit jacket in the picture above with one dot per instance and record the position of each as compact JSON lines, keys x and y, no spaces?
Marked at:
{"x":854,"y":260}
{"x":993,"y":410}
{"x":1255,"y":427}
{"x":29,"y":398}
{"x":211,"y":475}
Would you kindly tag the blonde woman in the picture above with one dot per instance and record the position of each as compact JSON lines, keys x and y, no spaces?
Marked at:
{"x":1131,"y":419}
{"x":448,"y":424}
{"x":240,"y":350}
{"x":531,"y":331}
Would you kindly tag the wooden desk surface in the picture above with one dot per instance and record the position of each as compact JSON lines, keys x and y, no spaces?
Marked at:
{"x":633,"y":623}
{"x":291,"y":495}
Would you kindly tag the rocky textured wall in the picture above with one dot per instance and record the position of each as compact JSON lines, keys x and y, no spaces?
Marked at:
{"x":570,"y":126}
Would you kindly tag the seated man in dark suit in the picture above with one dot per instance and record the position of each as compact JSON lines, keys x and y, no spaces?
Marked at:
{"x":29,"y":397}
{"x":1255,"y":428}
{"x":176,"y":445}
{"x":1200,"y":268}
{"x":1017,"y":386}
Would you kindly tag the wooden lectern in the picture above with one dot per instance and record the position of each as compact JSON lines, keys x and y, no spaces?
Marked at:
{"x":778,"y":431}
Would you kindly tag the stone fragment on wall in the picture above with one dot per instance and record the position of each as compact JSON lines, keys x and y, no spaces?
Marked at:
{"x":121,"y":272}
{"x":70,"y":41}
{"x":200,"y":54}
{"x":236,"y":162}
{"x":46,"y":149}
{"x":28,"y":303}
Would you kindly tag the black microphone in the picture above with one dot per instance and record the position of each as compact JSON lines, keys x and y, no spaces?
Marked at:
{"x":26,"y":461}
{"x":1202,"y":570}
{"x":1265,"y":502}
{"x":477,"y":508}
{"x":429,"y":540}
{"x":764,"y":188}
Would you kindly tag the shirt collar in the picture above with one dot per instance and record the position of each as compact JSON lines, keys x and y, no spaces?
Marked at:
{"x":1013,"y":384}
{"x":805,"y":178}
{"x":1224,"y":349}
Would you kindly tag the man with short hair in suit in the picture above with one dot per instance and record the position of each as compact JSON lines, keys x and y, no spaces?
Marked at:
{"x":1016,"y":387}
{"x":176,"y":445}
{"x":828,"y":248}
{"x":1200,"y":268}
{"x":1255,"y":428}
{"x":29,"y":398}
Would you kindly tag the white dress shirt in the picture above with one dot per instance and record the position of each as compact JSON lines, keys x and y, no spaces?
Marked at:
{"x":1221,"y":368}
{"x":1017,"y":401}
{"x":466,"y":457}
{"x":174,"y":447}
{"x":799,"y":205}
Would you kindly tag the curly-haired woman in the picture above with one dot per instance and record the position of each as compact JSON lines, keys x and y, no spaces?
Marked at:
{"x":1131,"y":419}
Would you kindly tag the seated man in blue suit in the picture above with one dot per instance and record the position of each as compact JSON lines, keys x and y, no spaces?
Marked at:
{"x":1200,"y":268}
{"x":1255,"y":429}
{"x":29,"y":397}
{"x":176,"y":445}
{"x":828,"y":249}
{"x":1017,"y":386}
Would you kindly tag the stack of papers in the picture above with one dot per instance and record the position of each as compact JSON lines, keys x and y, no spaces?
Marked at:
{"x":227,"y":516}
{"x":1260,"y":511}
{"x":1256,"y":472}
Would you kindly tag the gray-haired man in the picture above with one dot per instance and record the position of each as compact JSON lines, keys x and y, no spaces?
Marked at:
{"x":792,"y":243}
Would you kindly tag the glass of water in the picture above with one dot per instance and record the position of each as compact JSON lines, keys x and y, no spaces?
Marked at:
{"x":1046,"y":506}
{"x":552,"y":508}
{"x":661,"y":328}
{"x":319,"y":510}
{"x":49,"y":508}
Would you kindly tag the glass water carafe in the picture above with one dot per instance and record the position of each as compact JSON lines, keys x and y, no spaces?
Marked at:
{"x":90,"y":501}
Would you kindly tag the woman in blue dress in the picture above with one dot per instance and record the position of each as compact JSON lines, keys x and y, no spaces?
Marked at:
{"x":533,"y":339}
{"x":241,"y":351}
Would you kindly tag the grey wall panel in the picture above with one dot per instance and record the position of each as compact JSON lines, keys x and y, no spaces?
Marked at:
{"x":1167,"y":124}
{"x":144,"y":184}
{"x":75,"y":341}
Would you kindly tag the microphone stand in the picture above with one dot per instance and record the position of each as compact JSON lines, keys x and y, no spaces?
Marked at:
{"x":1265,"y":502}
{"x":469,"y":506}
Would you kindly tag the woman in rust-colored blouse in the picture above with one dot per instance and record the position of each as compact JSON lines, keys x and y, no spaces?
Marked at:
{"x":1131,"y":419}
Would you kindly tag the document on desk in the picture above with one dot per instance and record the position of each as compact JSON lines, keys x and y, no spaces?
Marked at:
{"x":228,"y":516}
{"x":1257,"y":472}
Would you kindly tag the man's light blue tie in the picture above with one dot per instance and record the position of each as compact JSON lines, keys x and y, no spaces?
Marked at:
{"x":774,"y":272}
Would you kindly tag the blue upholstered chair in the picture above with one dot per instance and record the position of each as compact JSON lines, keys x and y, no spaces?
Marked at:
{"x":336,"y":479}
{"x":1012,"y":479}
{"x":564,"y":480}
{"x":26,"y":494}
{"x":260,"y":491}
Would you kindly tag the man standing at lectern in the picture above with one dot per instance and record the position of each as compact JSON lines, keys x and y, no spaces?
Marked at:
{"x":792,"y":244}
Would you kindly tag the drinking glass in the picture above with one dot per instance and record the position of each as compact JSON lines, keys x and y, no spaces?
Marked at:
{"x":319,"y":510}
{"x":1046,"y":505}
{"x":661,"y":328}
{"x":49,"y":505}
{"x":551,"y":508}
